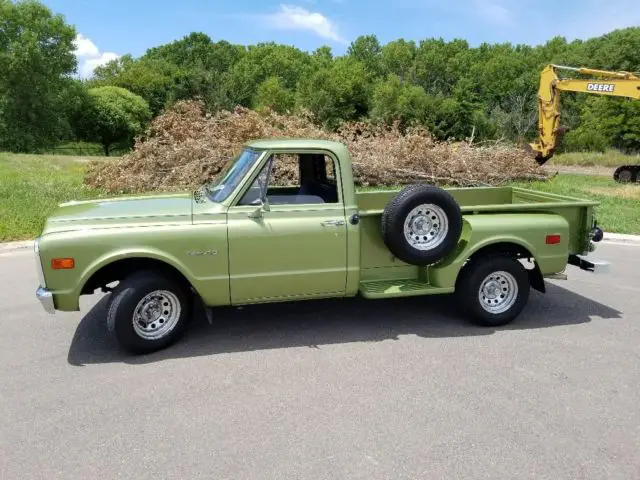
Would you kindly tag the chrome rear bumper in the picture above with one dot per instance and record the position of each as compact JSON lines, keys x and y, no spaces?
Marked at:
{"x":46,"y":299}
{"x":590,"y":265}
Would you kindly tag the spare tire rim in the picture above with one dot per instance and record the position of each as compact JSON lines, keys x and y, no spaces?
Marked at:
{"x":498,"y":292}
{"x":426,"y":227}
{"x":156,"y":314}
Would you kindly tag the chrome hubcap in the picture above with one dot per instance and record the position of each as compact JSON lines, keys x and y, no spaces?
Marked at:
{"x":426,"y":226}
{"x":156,"y":314}
{"x":498,"y":292}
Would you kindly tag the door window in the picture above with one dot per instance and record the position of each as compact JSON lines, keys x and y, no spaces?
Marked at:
{"x":297,"y":179}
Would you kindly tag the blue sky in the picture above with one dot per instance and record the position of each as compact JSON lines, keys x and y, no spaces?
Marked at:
{"x":114,"y":27}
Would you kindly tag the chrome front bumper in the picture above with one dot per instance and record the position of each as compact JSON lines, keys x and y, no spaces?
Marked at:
{"x":42,"y":294}
{"x":46,"y":299}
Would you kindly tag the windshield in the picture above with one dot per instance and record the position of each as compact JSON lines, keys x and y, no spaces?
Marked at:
{"x":231,"y":175}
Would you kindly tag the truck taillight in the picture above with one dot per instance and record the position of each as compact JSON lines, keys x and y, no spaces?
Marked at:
{"x":553,"y":239}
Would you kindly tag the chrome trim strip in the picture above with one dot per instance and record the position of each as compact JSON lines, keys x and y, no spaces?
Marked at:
{"x":46,"y":300}
{"x":36,"y":248}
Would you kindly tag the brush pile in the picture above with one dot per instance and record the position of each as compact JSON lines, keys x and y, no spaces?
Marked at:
{"x":185,"y":147}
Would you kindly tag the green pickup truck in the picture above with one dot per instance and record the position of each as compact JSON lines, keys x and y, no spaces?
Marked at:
{"x":283,"y":222}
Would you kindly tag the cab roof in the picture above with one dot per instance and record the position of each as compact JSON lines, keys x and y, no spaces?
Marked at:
{"x":295,"y":143}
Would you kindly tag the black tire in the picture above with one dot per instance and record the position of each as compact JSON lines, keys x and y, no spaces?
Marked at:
{"x":471,"y":281}
{"x":126,"y":297}
{"x":399,"y":208}
{"x":628,"y":171}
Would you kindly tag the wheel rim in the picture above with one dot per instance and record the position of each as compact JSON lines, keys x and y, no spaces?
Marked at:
{"x":498,"y":292}
{"x":156,"y":314}
{"x":426,"y":226}
{"x":624,"y":176}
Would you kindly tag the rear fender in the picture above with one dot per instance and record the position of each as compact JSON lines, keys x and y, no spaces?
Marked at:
{"x":520,"y":235}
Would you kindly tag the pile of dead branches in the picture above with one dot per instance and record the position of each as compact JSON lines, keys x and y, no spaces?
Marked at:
{"x":185,"y":147}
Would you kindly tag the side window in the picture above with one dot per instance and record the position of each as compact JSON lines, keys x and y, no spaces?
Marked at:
{"x":286,"y":170}
{"x":298,"y":179}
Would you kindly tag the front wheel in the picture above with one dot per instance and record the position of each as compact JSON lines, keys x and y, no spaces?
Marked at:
{"x":148,"y":311}
{"x":493,"y":290}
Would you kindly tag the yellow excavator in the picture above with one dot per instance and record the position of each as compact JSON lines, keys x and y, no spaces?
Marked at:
{"x":613,"y":84}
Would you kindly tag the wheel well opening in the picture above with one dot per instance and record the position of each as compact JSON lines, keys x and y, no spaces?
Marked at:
{"x":120,"y":269}
{"x":516,"y":251}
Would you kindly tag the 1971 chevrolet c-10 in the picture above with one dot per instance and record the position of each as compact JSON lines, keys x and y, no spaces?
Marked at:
{"x":250,"y":237}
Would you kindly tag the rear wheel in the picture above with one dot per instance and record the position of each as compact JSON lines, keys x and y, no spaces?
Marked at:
{"x":148,"y":311}
{"x":493,"y":290}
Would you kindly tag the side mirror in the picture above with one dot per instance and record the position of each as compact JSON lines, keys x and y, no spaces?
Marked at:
{"x":258,"y":212}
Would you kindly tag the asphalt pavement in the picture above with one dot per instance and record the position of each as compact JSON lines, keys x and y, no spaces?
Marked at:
{"x":345,"y":389}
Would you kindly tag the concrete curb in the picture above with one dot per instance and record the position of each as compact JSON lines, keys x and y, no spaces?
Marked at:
{"x":621,"y":238}
{"x":608,"y":238}
{"x":13,"y":246}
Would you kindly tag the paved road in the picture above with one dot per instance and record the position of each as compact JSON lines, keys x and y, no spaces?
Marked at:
{"x":338,"y":389}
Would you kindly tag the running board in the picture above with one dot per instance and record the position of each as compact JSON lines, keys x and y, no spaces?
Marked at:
{"x":399,"y":288}
{"x":593,"y":265}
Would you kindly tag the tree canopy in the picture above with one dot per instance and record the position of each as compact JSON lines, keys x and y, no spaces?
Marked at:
{"x":455,"y":89}
{"x":36,"y":59}
{"x":112,"y":115}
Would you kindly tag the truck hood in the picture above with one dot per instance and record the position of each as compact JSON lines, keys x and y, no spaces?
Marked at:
{"x":121,"y":211}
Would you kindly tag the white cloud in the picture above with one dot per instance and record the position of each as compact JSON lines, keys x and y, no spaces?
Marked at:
{"x":291,"y":17}
{"x":89,"y":56}
{"x":493,"y":12}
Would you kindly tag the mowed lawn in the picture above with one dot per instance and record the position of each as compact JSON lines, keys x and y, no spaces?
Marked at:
{"x":595,"y":159}
{"x":619,"y":209}
{"x":31,"y":186}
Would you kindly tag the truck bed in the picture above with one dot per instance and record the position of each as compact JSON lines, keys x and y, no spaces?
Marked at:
{"x":510,"y":209}
{"x":480,"y":199}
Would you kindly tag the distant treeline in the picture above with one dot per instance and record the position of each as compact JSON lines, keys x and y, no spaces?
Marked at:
{"x":455,"y":90}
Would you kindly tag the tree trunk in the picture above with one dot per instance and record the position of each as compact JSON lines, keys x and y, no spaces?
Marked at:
{"x":106,"y":149}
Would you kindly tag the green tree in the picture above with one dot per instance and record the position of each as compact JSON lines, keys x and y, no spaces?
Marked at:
{"x":337,"y":93}
{"x":613,"y":122}
{"x":113,"y":115}
{"x":397,"y":57}
{"x":36,"y":59}
{"x":262,"y":61}
{"x":272,"y":94}
{"x":155,"y":79}
{"x":394,"y":101}
{"x":367,"y":49}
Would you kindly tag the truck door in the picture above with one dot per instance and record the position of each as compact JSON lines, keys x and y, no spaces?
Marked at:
{"x":295,"y":245}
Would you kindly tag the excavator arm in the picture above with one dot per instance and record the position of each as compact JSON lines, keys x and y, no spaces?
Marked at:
{"x":613,"y":84}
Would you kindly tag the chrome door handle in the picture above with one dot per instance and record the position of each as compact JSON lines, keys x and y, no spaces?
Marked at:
{"x":332,"y":222}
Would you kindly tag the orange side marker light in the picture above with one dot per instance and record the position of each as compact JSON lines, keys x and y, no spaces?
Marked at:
{"x":63,"y":263}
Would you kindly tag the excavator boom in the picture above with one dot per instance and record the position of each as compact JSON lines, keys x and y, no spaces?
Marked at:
{"x":613,"y":84}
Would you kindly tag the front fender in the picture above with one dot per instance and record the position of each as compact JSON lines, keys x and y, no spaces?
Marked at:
{"x":128,"y":253}
{"x":198,"y":252}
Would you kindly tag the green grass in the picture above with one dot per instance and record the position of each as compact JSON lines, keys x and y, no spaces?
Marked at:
{"x":619,"y":209}
{"x":31,"y":186}
{"x":595,"y":159}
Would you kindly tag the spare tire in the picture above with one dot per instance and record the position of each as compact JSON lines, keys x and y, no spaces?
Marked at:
{"x":422,"y":224}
